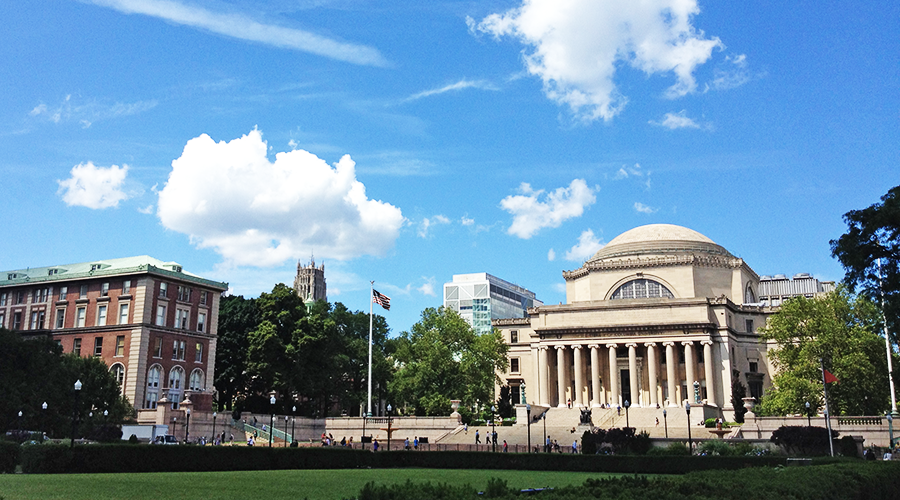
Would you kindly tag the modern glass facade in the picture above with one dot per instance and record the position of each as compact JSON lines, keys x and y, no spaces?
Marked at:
{"x":480,"y":298}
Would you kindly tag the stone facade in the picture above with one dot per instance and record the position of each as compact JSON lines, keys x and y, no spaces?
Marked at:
{"x":309,"y":283}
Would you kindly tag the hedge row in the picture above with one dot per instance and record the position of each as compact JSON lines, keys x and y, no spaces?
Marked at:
{"x":118,"y":458}
{"x":9,"y":456}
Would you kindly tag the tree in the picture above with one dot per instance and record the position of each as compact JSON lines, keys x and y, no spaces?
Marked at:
{"x":442,"y":358}
{"x":874,"y":233}
{"x":237,"y":318}
{"x":835,"y":329}
{"x":738,"y":393}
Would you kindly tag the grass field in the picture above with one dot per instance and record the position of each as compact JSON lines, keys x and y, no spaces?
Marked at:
{"x":266,"y":485}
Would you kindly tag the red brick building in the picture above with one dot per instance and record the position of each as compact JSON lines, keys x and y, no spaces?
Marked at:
{"x":151,"y":322}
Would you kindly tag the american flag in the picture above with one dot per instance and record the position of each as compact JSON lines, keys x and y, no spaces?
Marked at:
{"x":381,"y":299}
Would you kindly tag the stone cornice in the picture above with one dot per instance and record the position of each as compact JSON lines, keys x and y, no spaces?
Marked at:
{"x":723,"y":261}
{"x":626,"y":330}
{"x":511,"y":322}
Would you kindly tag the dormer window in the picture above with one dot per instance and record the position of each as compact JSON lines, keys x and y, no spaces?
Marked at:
{"x":95,"y":267}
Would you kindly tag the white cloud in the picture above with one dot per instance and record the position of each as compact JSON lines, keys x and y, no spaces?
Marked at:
{"x":94,"y":187}
{"x":230,"y":197}
{"x":427,"y":223}
{"x":551,"y":255}
{"x":626,"y":171}
{"x":733,"y":76}
{"x":244,"y":28}
{"x":576,"y":47}
{"x":86,"y":113}
{"x":674,"y":121}
{"x":644,"y":209}
{"x":146,"y":210}
{"x":465,"y":221}
{"x":460,"y":85}
{"x":531,"y":215}
{"x":559,"y":287}
{"x":587,"y":246}
{"x":427,"y":288}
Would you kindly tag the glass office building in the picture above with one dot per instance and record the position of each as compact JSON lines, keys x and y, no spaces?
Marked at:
{"x":480,"y":297}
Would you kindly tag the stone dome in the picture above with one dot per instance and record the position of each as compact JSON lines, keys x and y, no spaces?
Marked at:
{"x":658,"y":239}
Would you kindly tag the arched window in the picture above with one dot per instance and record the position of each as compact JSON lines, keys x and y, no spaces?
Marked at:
{"x":749,"y":296}
{"x":196,"y":380}
{"x":176,"y":386}
{"x":152,"y":394}
{"x":118,"y":371}
{"x":642,"y":289}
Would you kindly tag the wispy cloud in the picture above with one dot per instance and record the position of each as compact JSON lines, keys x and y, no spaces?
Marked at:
{"x":674,"y":121}
{"x":551,"y":255}
{"x":460,"y":85}
{"x":644,"y":209}
{"x":242,"y":27}
{"x":427,"y":223}
{"x":734,"y":74}
{"x":427,"y":288}
{"x":86,"y":113}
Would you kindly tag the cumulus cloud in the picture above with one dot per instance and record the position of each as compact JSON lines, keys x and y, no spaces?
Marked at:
{"x":551,"y":255}
{"x":460,"y":85}
{"x":230,"y":197}
{"x":644,"y":209}
{"x":242,"y":27}
{"x":587,"y":246}
{"x":466,"y":221}
{"x":575,"y":47}
{"x":427,"y":223}
{"x":87,"y":112}
{"x":530,"y":215}
{"x":674,"y":121}
{"x":427,"y":288}
{"x":94,"y":187}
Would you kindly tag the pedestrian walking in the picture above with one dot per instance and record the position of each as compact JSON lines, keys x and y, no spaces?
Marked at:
{"x":505,"y":447}
{"x":477,"y":437}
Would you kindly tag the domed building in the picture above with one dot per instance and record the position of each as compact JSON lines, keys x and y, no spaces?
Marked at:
{"x":662,"y":315}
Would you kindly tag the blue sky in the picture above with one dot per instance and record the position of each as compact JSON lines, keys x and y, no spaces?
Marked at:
{"x":404,"y":142}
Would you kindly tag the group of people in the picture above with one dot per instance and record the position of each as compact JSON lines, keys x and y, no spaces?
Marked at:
{"x":328,"y":440}
{"x":415,"y":443}
{"x":491,"y":437}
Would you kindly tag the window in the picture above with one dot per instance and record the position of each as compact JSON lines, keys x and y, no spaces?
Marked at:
{"x":79,"y":316}
{"x":203,"y":298}
{"x":3,"y":299}
{"x":178,"y":350}
{"x":163,"y":290}
{"x":98,"y":346}
{"x":161,"y":315}
{"x":60,"y":318}
{"x":749,"y":325}
{"x":51,"y":272}
{"x":37,"y":320}
{"x":20,"y":297}
{"x":196,"y":380}
{"x":176,"y":384}
{"x":82,"y":293}
{"x":2,"y":320}
{"x":198,"y":353}
{"x":514,"y":365}
{"x":63,"y":291}
{"x":152,"y":394}
{"x":17,"y":320}
{"x":126,"y":287}
{"x":123,"y":314}
{"x":642,"y":289}
{"x":157,"y":348}
{"x":201,"y":321}
{"x":40,"y":295}
{"x":184,"y":293}
{"x":120,"y":345}
{"x":514,"y":337}
{"x":101,"y":315}
{"x":118,"y":372}
{"x":95,"y":267}
{"x":76,"y":347}
{"x":104,"y":289}
{"x":181,"y":318}
{"x":754,"y":366}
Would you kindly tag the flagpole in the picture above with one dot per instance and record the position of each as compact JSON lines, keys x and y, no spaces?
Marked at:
{"x":887,"y":343}
{"x":369,"y":378}
{"x":827,"y":408}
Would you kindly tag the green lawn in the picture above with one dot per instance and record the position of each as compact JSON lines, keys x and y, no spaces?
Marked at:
{"x":266,"y":485}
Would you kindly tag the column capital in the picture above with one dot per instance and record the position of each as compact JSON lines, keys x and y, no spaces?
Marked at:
{"x":612,"y":346}
{"x":650,"y":344}
{"x":706,"y":342}
{"x":560,"y":347}
{"x":669,"y":344}
{"x":631,"y":344}
{"x":577,"y":346}
{"x":687,"y":342}
{"x":543,"y":347}
{"x":593,"y":346}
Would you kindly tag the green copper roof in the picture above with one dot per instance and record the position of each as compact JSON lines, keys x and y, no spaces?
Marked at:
{"x":109,"y":267}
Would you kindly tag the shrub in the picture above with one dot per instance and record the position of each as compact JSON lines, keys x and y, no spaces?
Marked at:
{"x":9,"y":456}
{"x":674,"y":449}
{"x":802,"y":440}
{"x":847,"y":447}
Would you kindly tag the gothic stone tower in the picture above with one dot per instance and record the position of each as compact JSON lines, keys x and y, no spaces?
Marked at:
{"x":310,"y":281}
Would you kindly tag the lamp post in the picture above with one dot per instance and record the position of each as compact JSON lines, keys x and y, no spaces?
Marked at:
{"x":187,"y":426}
{"x":687,"y":408}
{"x":528,"y":416}
{"x":808,"y":415}
{"x":493,"y":431}
{"x":285,"y":431}
{"x":890,"y":420}
{"x":293,"y":417}
{"x":78,"y":386}
{"x":389,"y":426}
{"x":666,"y":423}
{"x":272,"y":421}
{"x":697,"y":392}
{"x":627,"y":406}
{"x":214,"y":429}
{"x":546,"y":437}
{"x":43,"y":420}
{"x":19,"y":422}
{"x":174,"y":423}
{"x":362,"y":442}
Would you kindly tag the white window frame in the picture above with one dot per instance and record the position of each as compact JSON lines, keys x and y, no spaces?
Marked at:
{"x":201,"y":321}
{"x":80,"y":315}
{"x":160,"y":315}
{"x":104,"y":289}
{"x":126,"y":287}
{"x":98,"y":353}
{"x":123,"y":313}
{"x":198,"y":353}
{"x":163,"y":290}
{"x":182,"y":318}
{"x":120,"y":346}
{"x":102,"y":312}
{"x":63,"y":293}
{"x":60,"y":318}
{"x":118,"y":371}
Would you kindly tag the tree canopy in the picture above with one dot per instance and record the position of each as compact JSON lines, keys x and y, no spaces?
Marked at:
{"x":838,"y":329}
{"x":442,"y":358}
{"x":874,"y":233}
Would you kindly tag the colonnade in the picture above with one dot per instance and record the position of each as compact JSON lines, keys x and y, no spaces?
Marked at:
{"x":603,"y":385}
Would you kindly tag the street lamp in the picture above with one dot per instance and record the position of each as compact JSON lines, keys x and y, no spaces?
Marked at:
{"x":627,"y":406}
{"x":890,"y":419}
{"x":44,"y":420}
{"x":187,"y":426}
{"x":493,"y":431}
{"x":697,"y":392}
{"x":389,"y":426}
{"x":528,"y":415}
{"x":78,"y":386}
{"x":666,"y":423}
{"x":293,"y":417}
{"x":19,"y":424}
{"x":687,"y":408}
{"x":214,"y":429}
{"x":272,"y":421}
{"x":285,"y":431}
{"x":808,"y":421}
{"x":546,"y":437}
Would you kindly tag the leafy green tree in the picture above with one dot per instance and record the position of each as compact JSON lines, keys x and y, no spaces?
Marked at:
{"x":442,"y":358}
{"x":874,"y":233}
{"x":237,"y":318}
{"x":839,"y":330}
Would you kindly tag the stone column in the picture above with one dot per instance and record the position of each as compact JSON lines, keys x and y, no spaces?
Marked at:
{"x":651,"y":372}
{"x":544,"y":376}
{"x":708,"y":364}
{"x":671,"y":365}
{"x":613,"y":376}
{"x":579,"y":378}
{"x":561,"y":370}
{"x":595,"y":375}
{"x":633,"y":377}
{"x":689,"y":375}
